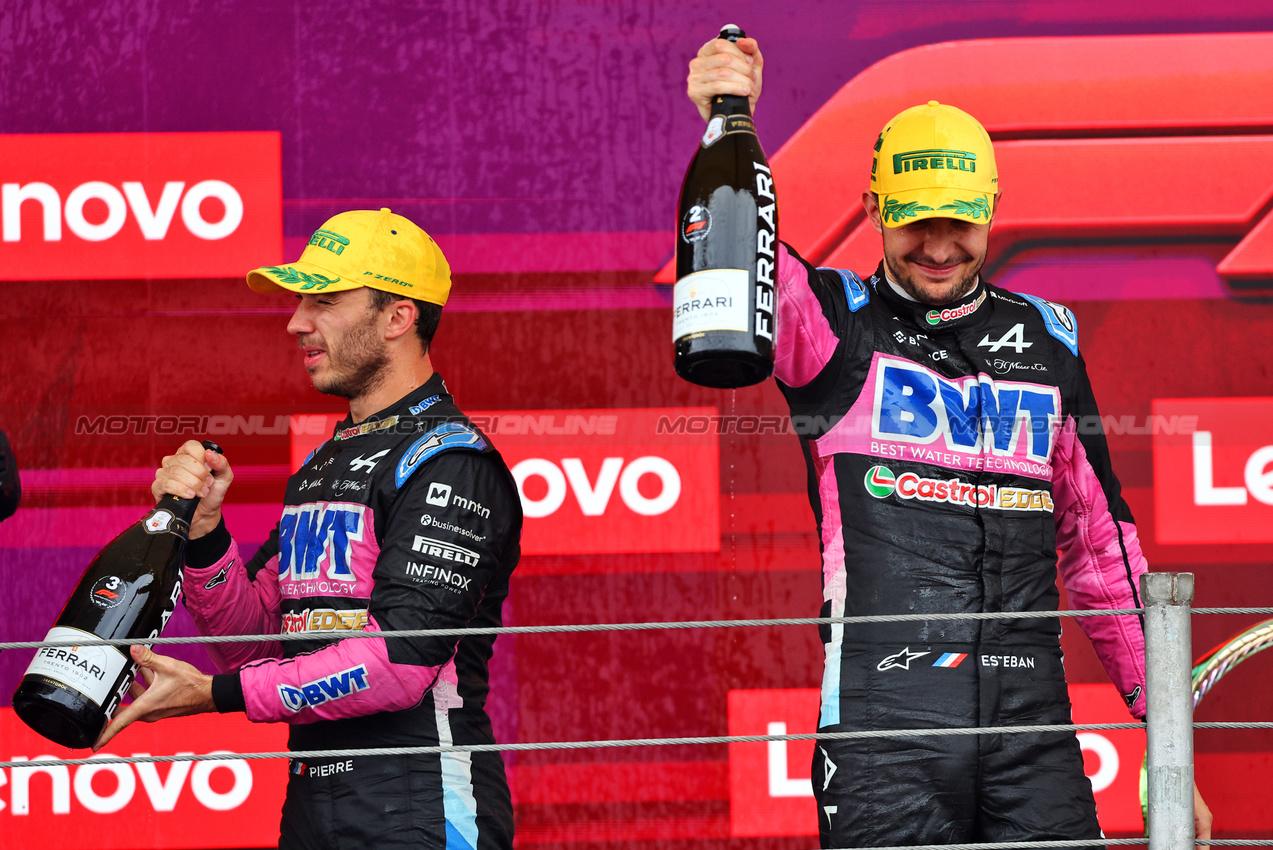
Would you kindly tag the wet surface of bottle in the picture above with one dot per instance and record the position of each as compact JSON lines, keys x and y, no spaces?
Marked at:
{"x":726,"y":253}
{"x":128,"y":591}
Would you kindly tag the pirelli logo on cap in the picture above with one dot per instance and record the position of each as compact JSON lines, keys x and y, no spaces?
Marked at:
{"x":950,"y":160}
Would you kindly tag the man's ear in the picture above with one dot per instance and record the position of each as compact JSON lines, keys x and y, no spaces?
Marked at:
{"x":995,"y":211}
{"x":402,"y":318}
{"x":871,"y":203}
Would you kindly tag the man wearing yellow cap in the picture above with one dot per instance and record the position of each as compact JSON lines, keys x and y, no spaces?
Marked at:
{"x":956,"y":458}
{"x":407,"y":518}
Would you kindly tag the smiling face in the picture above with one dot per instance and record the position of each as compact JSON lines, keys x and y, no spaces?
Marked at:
{"x":342,"y":340}
{"x":934,"y":260}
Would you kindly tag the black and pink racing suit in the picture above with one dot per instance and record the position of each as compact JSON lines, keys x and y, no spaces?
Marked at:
{"x":410,"y":520}
{"x":952,"y":452}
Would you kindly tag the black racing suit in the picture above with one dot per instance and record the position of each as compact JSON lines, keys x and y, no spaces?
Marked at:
{"x":410,"y":520}
{"x":951,"y":452}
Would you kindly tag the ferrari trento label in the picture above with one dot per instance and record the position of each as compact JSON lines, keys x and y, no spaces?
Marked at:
{"x":91,"y":670}
{"x":711,"y":300}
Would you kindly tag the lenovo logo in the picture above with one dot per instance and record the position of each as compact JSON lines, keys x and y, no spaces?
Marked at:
{"x":153,"y":220}
{"x":1215,"y":484}
{"x":135,"y":205}
{"x":629,"y":488}
{"x":593,"y":496}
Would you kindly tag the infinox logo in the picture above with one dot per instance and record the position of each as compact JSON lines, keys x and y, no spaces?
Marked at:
{"x":135,"y":205}
{"x":1215,"y":484}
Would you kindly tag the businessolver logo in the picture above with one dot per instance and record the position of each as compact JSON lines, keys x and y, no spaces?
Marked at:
{"x":139,"y":205}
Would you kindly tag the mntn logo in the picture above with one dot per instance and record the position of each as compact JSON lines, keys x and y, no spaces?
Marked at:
{"x":326,"y":689}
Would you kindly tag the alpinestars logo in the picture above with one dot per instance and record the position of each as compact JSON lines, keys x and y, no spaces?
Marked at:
{"x":901,"y":660}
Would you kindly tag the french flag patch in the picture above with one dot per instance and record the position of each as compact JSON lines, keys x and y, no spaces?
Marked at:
{"x":950,"y":659}
{"x":298,"y":767}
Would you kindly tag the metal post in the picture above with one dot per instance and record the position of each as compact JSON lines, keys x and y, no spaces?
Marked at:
{"x":1169,"y":700}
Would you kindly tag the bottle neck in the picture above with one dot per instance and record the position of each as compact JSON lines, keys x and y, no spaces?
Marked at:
{"x":730,"y":104}
{"x":182,"y":509}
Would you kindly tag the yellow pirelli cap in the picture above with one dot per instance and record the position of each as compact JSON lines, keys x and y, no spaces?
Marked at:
{"x":934,"y":161}
{"x":377,"y":249}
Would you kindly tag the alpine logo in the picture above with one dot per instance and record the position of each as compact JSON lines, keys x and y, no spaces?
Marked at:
{"x":881,"y":483}
{"x":1014,"y":338}
{"x":950,"y":314}
{"x":360,"y":463}
{"x":333,"y":687}
{"x":448,"y":435}
{"x":901,"y":660}
{"x":318,"y":538}
{"x":950,"y":659}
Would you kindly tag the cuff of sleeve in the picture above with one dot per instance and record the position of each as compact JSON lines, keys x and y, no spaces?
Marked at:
{"x":208,"y":549}
{"x":227,"y":693}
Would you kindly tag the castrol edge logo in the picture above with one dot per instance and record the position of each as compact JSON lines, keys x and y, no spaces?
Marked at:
{"x":139,"y":205}
{"x":611,"y":480}
{"x":881,"y":483}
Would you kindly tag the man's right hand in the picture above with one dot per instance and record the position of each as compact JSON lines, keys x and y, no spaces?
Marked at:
{"x":195,"y":471}
{"x":723,"y":67}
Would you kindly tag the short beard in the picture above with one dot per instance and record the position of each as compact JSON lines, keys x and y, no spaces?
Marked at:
{"x":965,"y":285}
{"x":369,"y":357}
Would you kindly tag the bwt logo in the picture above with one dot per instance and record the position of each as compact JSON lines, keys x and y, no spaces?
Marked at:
{"x":594,"y":497}
{"x":328,"y":688}
{"x":317,"y":537}
{"x":153,"y":218}
{"x":916,"y":405}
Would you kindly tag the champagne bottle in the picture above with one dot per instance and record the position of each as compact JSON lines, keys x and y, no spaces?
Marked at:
{"x":726,"y":253}
{"x":128,"y":591}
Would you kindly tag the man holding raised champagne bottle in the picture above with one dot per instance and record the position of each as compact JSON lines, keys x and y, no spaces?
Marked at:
{"x":945,"y":476}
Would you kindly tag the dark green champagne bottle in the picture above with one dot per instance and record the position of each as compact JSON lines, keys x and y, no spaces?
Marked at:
{"x":128,"y":591}
{"x":726,"y":253}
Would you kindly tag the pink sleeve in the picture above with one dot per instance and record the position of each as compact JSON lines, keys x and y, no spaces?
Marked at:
{"x":222,"y":600}
{"x":1100,"y":565}
{"x":305,"y":689}
{"x":803,"y":339}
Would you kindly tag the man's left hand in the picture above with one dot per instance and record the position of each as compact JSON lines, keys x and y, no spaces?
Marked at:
{"x":172,"y":689}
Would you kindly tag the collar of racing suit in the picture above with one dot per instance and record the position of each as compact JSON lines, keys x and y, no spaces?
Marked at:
{"x":417,"y":398}
{"x":968,"y":311}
